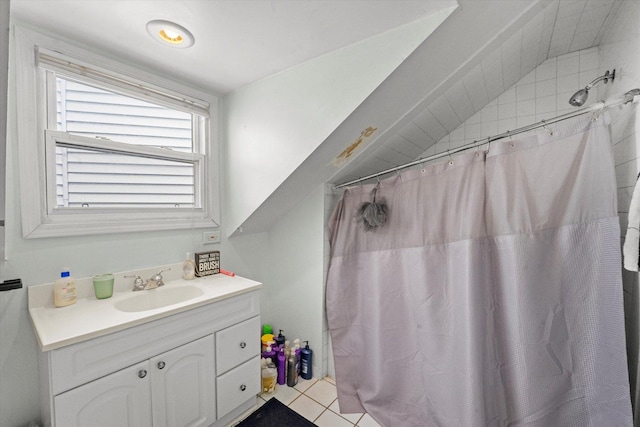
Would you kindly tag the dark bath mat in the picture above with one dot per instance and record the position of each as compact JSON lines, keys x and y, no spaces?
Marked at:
{"x":275,"y":414}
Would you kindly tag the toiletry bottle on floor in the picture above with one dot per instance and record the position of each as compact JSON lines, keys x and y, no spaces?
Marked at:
{"x":296,"y":350}
{"x":280,"y":339}
{"x":270,"y":354}
{"x":306,"y":367}
{"x":269,"y":376}
{"x":282,"y":367}
{"x":292,"y":375}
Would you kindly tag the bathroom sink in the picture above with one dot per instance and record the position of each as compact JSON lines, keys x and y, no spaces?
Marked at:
{"x":157,"y":298}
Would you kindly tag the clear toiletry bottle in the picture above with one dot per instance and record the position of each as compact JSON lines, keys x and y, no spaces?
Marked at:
{"x":189,"y":268}
{"x":65,"y":291}
{"x":269,"y":376}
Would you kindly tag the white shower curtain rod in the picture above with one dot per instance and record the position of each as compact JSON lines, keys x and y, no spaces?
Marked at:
{"x":598,"y":106}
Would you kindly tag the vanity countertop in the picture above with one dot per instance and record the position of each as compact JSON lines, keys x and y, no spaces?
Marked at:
{"x":90,"y":317}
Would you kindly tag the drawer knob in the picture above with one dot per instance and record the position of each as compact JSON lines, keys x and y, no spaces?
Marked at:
{"x":161,"y":365}
{"x":243,"y":387}
{"x":142,"y":373}
{"x":243,"y":344}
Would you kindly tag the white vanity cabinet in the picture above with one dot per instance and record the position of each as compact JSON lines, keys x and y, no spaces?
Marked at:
{"x":167,"y":372}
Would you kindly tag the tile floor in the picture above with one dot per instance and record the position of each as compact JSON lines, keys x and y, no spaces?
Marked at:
{"x":316,"y":400}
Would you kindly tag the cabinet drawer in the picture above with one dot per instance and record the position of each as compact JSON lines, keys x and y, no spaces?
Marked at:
{"x":237,"y":344}
{"x":237,"y":386}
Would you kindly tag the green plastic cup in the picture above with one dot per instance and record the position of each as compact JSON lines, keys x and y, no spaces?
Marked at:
{"x":103,"y":285}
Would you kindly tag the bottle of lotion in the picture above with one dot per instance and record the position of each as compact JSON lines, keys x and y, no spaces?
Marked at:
{"x":270,"y":354}
{"x":306,"y":366}
{"x":280,"y":339}
{"x":189,"y":268}
{"x":65,"y":291}
{"x":296,"y":349}
{"x":292,"y":375}
{"x":282,"y":367}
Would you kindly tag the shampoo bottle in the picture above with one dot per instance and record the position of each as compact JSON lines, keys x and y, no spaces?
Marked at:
{"x":306,"y":367}
{"x":270,"y":354}
{"x":280,"y":339}
{"x":189,"y":268}
{"x":296,"y":349}
{"x":292,"y":375}
{"x":65,"y":291}
{"x":282,"y":367}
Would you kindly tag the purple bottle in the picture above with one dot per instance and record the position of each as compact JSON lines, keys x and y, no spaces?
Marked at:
{"x":282,"y":367}
{"x":296,"y":347}
{"x":269,"y":353}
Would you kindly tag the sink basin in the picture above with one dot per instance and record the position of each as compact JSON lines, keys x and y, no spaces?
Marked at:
{"x":157,"y":298}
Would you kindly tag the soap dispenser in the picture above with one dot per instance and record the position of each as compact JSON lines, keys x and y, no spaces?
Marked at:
{"x":189,"y":268}
{"x":65,"y":291}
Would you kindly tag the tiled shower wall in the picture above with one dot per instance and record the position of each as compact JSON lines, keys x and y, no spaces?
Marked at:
{"x":542,"y":94}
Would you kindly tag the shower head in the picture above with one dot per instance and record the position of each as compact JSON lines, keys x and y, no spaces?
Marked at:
{"x":580,"y":97}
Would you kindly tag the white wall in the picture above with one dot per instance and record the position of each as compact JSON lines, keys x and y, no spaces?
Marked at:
{"x":294,"y":296}
{"x":38,"y":261}
{"x":273,"y":125}
{"x":620,"y":49}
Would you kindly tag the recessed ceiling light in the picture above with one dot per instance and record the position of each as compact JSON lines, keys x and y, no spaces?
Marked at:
{"x":170,"y":33}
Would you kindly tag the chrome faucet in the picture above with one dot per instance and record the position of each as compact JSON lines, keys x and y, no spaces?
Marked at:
{"x":138,"y":284}
{"x":156,"y":280}
{"x":153,"y":282}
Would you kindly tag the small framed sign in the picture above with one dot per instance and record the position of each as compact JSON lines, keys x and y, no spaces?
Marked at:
{"x":207,"y":263}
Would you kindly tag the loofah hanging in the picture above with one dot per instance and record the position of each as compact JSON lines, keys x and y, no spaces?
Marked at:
{"x":373,"y":214}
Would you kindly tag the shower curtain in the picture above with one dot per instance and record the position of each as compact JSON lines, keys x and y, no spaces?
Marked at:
{"x":492,"y":296}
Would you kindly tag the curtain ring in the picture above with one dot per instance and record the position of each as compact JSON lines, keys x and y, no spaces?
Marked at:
{"x":597,"y":113}
{"x":544,"y":125}
{"x":449,"y":156}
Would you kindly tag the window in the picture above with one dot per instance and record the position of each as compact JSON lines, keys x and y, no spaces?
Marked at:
{"x":112,"y":153}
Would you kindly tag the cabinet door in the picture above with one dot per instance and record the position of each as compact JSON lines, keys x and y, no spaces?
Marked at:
{"x":183,"y":385}
{"x":120,"y":399}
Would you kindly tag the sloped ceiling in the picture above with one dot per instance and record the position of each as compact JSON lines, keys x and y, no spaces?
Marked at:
{"x":536,"y":32}
{"x":563,"y":26}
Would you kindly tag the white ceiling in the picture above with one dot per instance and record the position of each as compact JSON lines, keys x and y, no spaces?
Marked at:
{"x":237,"y":41}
